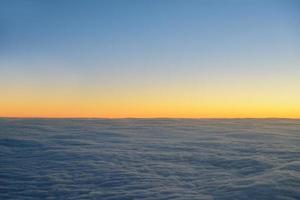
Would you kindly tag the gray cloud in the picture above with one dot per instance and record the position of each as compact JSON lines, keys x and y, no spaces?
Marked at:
{"x":149,"y":159}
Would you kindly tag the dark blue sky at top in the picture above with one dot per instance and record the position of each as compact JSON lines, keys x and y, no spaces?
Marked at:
{"x":137,"y":33}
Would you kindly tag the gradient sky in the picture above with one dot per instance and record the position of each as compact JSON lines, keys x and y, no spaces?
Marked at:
{"x":154,"y":58}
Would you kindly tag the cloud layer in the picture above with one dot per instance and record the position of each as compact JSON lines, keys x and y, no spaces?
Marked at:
{"x":149,"y":159}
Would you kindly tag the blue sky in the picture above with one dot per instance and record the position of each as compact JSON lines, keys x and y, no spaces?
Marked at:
{"x":124,"y":44}
{"x":154,"y":30}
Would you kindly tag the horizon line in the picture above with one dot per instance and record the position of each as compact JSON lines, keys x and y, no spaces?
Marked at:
{"x":112,"y":118}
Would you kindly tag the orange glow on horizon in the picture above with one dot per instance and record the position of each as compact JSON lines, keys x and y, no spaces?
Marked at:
{"x":119,"y":109}
{"x":186,"y":101}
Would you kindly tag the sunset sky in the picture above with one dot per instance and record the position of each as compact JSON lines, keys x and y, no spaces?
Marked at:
{"x":150,"y":58}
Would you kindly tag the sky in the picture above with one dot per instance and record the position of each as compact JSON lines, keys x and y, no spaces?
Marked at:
{"x":150,"y":58}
